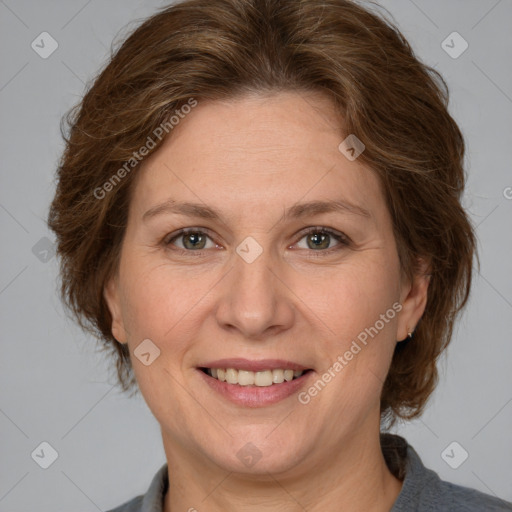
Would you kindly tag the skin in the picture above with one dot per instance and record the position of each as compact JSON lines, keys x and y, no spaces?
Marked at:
{"x":250,"y":158}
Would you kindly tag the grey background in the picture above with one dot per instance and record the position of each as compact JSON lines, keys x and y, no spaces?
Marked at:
{"x":54,"y":387}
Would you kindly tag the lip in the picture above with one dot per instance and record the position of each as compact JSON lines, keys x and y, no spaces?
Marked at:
{"x":255,"y":396}
{"x":254,"y":366}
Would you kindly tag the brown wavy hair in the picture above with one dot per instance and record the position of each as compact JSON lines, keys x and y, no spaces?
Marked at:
{"x":218,"y":49}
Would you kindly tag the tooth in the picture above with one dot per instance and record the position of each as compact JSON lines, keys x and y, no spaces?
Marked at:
{"x":231,"y":376}
{"x":277,"y":376}
{"x":288,"y":375}
{"x":245,"y":378}
{"x":263,"y":378}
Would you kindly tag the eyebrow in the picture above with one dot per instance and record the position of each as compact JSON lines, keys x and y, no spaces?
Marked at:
{"x":296,"y":211}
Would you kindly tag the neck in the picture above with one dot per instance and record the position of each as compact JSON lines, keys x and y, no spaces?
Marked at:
{"x":356,"y":477}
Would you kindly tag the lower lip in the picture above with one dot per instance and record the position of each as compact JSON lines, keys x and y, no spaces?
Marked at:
{"x":256,"y":396}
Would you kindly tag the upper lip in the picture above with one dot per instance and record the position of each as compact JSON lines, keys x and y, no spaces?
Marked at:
{"x":254,"y":365}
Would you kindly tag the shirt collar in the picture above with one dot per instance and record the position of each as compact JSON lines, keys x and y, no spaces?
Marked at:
{"x":153,"y":500}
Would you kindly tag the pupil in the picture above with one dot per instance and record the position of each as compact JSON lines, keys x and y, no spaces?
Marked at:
{"x":319,"y":237}
{"x":194,"y":237}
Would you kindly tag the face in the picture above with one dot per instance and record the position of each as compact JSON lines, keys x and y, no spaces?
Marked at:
{"x":266,"y":278}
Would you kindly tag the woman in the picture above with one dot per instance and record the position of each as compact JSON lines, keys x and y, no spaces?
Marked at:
{"x":258,"y":211}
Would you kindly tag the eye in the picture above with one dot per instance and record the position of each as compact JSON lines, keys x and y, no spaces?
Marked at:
{"x":195,"y":240}
{"x":192,"y":239}
{"x":320,"y":239}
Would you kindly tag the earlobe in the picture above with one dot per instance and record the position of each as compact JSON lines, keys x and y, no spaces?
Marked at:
{"x":414,"y":302}
{"x":111,"y":296}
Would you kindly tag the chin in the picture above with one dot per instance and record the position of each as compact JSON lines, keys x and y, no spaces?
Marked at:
{"x":261,"y":454}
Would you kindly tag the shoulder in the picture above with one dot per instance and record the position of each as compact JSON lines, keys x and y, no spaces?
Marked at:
{"x":423,"y":490}
{"x":134,"y":505}
{"x":457,"y":498}
{"x":152,"y":501}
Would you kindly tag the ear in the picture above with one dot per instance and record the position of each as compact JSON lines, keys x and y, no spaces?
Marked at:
{"x":413,"y":297}
{"x":111,"y":295}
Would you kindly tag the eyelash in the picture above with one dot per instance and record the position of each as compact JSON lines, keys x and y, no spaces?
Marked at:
{"x":343,"y":240}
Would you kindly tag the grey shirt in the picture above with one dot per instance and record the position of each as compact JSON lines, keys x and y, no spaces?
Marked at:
{"x":422,"y":490}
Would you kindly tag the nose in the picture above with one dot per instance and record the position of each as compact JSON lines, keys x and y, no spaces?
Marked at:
{"x":255,"y":299}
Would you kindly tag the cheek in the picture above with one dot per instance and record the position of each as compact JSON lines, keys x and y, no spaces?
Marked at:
{"x":162,"y":304}
{"x":353,"y":297}
{"x":359,"y":319}
{"x":158,"y":296}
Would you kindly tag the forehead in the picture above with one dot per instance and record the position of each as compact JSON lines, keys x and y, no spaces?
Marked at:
{"x":257,"y":151}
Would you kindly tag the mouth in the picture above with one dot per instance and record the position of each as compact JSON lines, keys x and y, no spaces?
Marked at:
{"x":254,"y":383}
{"x":263,"y":378}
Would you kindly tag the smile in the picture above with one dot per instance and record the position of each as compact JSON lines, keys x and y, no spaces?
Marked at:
{"x":251,"y":383}
{"x":262,"y":378}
